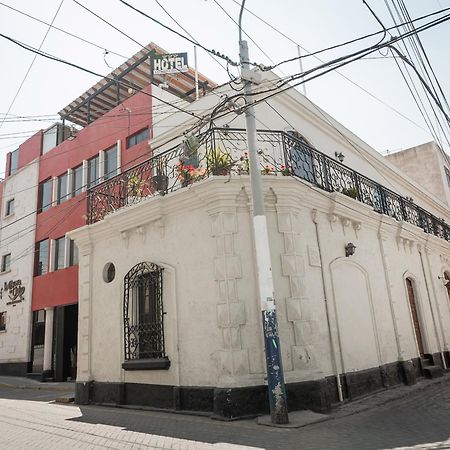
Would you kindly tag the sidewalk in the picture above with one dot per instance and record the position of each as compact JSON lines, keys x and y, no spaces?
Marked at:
{"x":28,"y":383}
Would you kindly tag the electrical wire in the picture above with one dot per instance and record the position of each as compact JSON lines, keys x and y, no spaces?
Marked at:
{"x":124,"y":83}
{"x":32,"y":63}
{"x":100,"y":47}
{"x":314,"y":54}
{"x":213,"y":52}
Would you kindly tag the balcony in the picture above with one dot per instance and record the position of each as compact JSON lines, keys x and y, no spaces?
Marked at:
{"x":223,"y":151}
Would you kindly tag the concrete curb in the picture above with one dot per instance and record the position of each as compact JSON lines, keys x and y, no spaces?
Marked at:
{"x":38,"y":387}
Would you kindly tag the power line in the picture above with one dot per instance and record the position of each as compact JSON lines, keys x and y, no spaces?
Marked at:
{"x":126,"y":84}
{"x":309,"y":53}
{"x":342,"y":61}
{"x":190,"y":35}
{"x":213,"y":52}
{"x":32,"y":62}
{"x":100,"y":47}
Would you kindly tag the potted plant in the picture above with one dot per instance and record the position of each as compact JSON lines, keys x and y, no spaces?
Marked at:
{"x":350,"y":192}
{"x":268,"y":170}
{"x":135,"y":185}
{"x":188,"y":174}
{"x":243,"y":166}
{"x":219,"y":162}
{"x":285,"y":171}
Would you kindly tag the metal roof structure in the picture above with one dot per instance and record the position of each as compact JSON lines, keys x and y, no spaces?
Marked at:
{"x":133,"y":75}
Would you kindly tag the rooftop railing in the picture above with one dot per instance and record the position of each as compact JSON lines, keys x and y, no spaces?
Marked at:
{"x":223,"y":151}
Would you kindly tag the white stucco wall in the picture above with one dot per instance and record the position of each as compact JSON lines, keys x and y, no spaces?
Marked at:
{"x":17,"y":238}
{"x":336,"y":314}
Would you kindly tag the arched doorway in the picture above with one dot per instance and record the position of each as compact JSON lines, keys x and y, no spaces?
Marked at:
{"x":415,"y":314}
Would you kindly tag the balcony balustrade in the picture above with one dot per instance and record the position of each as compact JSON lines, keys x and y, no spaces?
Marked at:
{"x":223,"y":151}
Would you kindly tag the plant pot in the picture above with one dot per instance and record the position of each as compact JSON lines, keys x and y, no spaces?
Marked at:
{"x":220,"y":171}
{"x":160,"y":182}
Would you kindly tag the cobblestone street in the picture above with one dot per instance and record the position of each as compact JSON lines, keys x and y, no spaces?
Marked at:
{"x":417,"y":417}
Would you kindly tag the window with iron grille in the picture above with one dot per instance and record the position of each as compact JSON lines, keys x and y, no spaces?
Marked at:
{"x":143,"y":317}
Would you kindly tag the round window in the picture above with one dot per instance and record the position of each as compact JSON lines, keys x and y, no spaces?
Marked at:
{"x":109,"y":272}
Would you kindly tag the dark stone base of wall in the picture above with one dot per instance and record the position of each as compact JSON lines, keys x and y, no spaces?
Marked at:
{"x":15,"y":369}
{"x":235,"y":403}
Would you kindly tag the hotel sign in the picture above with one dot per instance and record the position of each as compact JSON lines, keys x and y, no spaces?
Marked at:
{"x":170,"y":63}
{"x":14,"y":290}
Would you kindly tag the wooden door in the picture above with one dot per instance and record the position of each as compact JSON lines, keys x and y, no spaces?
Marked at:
{"x":415,"y":315}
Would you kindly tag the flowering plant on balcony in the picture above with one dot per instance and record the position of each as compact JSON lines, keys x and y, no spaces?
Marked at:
{"x":244,"y":164}
{"x":268,"y":170}
{"x":188,"y":174}
{"x":135,"y":184}
{"x":285,"y":170}
{"x":219,"y":162}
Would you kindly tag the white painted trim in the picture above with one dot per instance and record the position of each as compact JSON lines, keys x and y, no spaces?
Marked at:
{"x":119,"y":156}
{"x":51,"y":252}
{"x":85,"y":176}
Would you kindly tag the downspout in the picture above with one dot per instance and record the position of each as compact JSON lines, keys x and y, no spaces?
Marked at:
{"x":327,"y":309}
{"x":389,"y":293}
{"x":431,"y":308}
{"x":438,"y":311}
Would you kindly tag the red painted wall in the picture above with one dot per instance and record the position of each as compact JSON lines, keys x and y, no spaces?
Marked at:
{"x":56,"y":288}
{"x":61,"y":287}
{"x":30,"y":149}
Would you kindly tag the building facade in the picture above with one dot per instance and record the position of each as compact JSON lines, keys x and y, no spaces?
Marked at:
{"x":17,"y":227}
{"x":359,"y":269}
{"x":103,"y":132}
{"x":428,"y":165}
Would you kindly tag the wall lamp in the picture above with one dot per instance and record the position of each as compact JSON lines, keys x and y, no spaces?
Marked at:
{"x":445,"y":281}
{"x":350,"y":249}
{"x":340,"y":156}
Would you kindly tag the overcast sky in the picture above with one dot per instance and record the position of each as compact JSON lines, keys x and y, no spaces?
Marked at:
{"x":50,"y":85}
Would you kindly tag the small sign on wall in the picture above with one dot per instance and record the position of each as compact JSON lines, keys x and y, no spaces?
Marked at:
{"x":170,"y":63}
{"x":15,"y":291}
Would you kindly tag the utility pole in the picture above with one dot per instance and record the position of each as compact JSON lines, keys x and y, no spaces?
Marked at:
{"x":275,"y":377}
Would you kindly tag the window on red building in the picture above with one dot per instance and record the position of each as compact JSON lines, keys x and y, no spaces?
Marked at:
{"x":62,"y":188}
{"x":45,"y":195}
{"x":135,"y":138}
{"x":93,"y":172}
{"x":111,"y":162}
{"x":59,"y":253}
{"x":77,"y":180}
{"x":41,"y":258}
{"x":73,"y":253}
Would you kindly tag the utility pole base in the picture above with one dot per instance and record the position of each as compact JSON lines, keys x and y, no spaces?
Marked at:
{"x":275,"y":380}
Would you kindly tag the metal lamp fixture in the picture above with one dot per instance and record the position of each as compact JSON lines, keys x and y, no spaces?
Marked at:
{"x":340,"y":156}
{"x":350,"y":249}
{"x":445,"y":281}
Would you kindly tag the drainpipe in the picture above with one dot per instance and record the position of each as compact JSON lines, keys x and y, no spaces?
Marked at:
{"x":431,"y":308}
{"x":327,"y":309}
{"x":444,"y":346}
{"x":389,"y":292}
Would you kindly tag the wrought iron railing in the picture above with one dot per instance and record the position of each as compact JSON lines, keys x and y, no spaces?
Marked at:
{"x":223,"y":151}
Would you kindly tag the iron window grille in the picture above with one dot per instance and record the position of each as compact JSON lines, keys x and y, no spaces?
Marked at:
{"x":143,"y":312}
